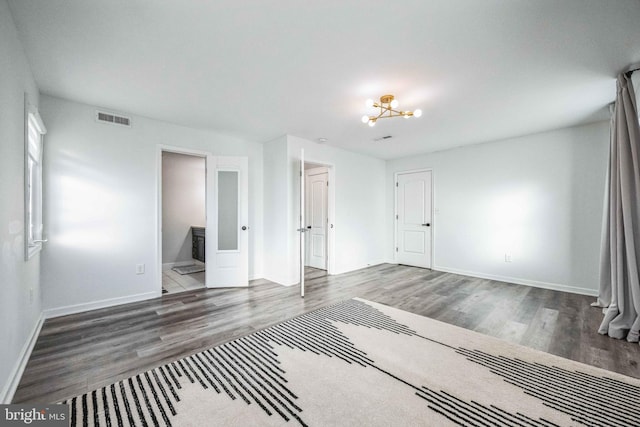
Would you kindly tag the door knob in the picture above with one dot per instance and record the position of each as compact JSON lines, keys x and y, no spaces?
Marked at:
{"x":426,"y":225}
{"x":244,"y":227}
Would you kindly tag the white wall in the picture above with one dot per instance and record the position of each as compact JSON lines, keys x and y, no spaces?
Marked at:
{"x":277,"y":249}
{"x":359,"y":207}
{"x":102,"y":204}
{"x":183,"y":204}
{"x":538,"y":198}
{"x":19,"y":315}
{"x":359,"y":183}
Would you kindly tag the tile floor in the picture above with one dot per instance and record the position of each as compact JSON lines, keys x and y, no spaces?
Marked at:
{"x":173,"y":282}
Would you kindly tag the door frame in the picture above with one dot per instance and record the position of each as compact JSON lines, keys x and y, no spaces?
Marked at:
{"x":395,"y":213}
{"x":331,"y":212}
{"x":178,"y":150}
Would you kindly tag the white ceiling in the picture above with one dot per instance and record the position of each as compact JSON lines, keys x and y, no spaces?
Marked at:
{"x":480,"y":70}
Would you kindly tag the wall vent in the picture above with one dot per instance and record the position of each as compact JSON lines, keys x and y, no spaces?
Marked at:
{"x":113,"y":119}
{"x":382,"y":138}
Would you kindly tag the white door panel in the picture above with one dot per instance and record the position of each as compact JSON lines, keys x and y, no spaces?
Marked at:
{"x":302,"y":230}
{"x":318,"y":246}
{"x":413,"y":219}
{"x":414,"y":242}
{"x":317,"y":214}
{"x":227,"y":245}
{"x":414,"y":202}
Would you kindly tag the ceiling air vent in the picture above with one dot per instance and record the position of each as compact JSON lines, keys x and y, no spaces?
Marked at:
{"x":113,"y":119}
{"x":382,"y":138}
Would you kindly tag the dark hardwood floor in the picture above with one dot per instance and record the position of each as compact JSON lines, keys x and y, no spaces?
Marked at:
{"x":80,"y":352}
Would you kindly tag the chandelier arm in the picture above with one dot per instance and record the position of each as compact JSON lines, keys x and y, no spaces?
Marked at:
{"x":398,"y":114}
{"x":380,"y":116}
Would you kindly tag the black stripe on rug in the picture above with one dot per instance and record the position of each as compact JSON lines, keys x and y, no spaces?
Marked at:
{"x":249,"y":370}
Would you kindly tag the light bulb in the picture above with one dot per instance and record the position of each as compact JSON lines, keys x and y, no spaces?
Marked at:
{"x":406,"y":115}
{"x":372,"y":123}
{"x":369,"y":103}
{"x":394,"y":103}
{"x":365,"y":119}
{"x":417,"y":113}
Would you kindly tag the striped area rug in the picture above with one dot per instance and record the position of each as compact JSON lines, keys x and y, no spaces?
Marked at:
{"x":363,"y":363}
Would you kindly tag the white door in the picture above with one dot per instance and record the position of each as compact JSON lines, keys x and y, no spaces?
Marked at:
{"x":227,"y":238}
{"x":413,"y":219}
{"x":316,"y":214}
{"x":301,"y":227}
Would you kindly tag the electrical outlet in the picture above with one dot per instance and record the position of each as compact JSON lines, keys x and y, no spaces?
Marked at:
{"x":507,"y":257}
{"x":139,"y":268}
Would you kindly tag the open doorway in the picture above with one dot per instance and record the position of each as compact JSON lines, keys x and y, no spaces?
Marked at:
{"x":183,"y":221}
{"x":316,"y":262}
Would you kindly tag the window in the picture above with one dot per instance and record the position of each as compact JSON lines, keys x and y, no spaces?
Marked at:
{"x":33,"y":183}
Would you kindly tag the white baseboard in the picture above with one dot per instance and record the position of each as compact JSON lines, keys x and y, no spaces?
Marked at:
{"x":288,"y":281}
{"x":355,"y":267}
{"x":281,"y":280}
{"x":6,"y":395}
{"x":519,"y":281}
{"x":94,"y":305}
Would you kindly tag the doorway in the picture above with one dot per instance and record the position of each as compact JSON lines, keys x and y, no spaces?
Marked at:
{"x":316,"y":237}
{"x":413,"y":216}
{"x":317,"y":216}
{"x":183,"y":222}
{"x":224,"y":237}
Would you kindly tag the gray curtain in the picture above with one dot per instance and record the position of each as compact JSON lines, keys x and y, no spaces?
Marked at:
{"x":620,"y":252}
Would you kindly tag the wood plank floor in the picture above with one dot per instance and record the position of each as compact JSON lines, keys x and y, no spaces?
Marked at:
{"x":77,"y":353}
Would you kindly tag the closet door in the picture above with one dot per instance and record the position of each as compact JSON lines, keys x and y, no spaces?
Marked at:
{"x":413,"y":219}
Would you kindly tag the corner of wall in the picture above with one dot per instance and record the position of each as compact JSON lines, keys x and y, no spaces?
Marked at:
{"x":9,"y":389}
{"x":21,"y":304}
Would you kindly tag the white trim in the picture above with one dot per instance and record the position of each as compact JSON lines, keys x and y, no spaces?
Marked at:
{"x":40,"y":127}
{"x":395,"y":213}
{"x":283,"y":281}
{"x":31,"y":111}
{"x":302,"y":212}
{"x":6,"y":396}
{"x":360,"y":266}
{"x":94,"y":305}
{"x":518,"y":281}
{"x":331,"y":212}
{"x":256,"y":276}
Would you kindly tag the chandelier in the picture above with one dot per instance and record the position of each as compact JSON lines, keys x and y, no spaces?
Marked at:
{"x":387,"y":107}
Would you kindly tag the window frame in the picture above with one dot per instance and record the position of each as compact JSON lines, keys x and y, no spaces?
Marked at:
{"x":33,"y":181}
